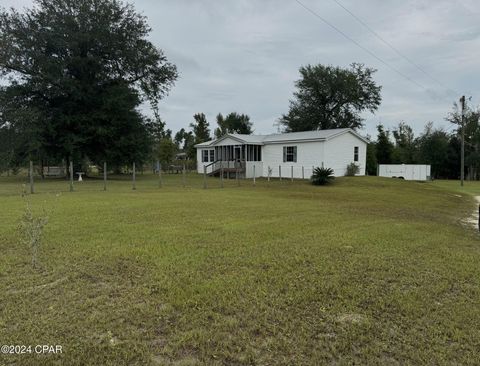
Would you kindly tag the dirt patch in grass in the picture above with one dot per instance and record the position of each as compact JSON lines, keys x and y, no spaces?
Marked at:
{"x":187,"y":361}
{"x":38,"y":287}
{"x":351,"y":318}
{"x":473,"y":219}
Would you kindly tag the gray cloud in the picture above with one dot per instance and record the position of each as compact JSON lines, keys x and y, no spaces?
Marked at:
{"x":244,"y":55}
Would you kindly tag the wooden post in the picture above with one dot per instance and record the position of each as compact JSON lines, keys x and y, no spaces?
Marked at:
{"x":268,"y":173}
{"x":254,"y":174}
{"x":134,"y":187}
{"x":280,"y":172}
{"x":159,"y":167}
{"x":303,"y":172}
{"x":462,"y":146}
{"x":236,"y":175}
{"x":221,"y":174}
{"x":183,"y":176}
{"x":32,"y":191}
{"x":71,"y":176}
{"x":292,"y":173}
{"x":204,"y":177}
{"x":104,"y":175}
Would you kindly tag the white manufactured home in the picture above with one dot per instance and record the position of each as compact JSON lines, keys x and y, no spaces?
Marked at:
{"x":405,"y":171}
{"x":286,"y":155}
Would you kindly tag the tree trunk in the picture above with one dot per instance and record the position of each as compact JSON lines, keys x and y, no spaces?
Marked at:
{"x":67,"y":167}
{"x":42,"y":164}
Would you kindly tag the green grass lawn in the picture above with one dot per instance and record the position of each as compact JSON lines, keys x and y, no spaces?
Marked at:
{"x":366,"y":271}
{"x":469,"y":187}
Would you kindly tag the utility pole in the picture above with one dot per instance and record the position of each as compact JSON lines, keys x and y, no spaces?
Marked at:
{"x":462,"y":159}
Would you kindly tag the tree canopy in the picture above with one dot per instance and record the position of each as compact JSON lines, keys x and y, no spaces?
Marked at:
{"x":331,"y":97}
{"x":472,"y":137}
{"x":384,"y":147}
{"x":200,"y":128}
{"x":405,"y":144}
{"x":185,"y":141}
{"x":233,"y":123}
{"x":76,"y":73}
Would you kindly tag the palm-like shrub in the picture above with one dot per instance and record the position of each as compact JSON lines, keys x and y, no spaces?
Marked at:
{"x":322,"y":176}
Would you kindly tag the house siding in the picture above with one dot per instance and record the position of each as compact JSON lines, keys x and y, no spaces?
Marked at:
{"x":309,"y":154}
{"x":339,"y":153}
{"x":249,"y":169}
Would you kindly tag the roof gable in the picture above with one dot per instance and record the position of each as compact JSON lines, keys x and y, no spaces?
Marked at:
{"x":349,"y":130}
{"x":225,"y":139}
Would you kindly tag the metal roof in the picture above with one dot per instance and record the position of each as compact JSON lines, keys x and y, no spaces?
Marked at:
{"x":285,"y":137}
{"x":306,"y":135}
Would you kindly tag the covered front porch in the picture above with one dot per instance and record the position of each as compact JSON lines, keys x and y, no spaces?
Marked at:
{"x":240,"y":152}
{"x":234,"y":160}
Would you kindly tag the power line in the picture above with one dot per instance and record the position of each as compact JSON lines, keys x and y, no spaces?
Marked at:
{"x":362,"y":47}
{"x":392,"y":47}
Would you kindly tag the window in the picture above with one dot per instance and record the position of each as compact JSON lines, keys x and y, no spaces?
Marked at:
{"x":290,"y":154}
{"x":204,"y":156}
{"x":355,"y":153}
{"x":212,"y":155}
{"x":254,"y":153}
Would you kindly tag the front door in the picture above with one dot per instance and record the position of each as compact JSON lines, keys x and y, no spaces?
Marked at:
{"x":238,"y":152}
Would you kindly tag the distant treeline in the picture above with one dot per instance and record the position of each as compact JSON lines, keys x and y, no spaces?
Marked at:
{"x":438,"y":147}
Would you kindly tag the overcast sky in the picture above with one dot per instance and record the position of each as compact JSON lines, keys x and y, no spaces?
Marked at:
{"x":244,"y":55}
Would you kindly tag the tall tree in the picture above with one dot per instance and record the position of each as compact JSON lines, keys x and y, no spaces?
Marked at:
{"x":185,"y":141}
{"x":383,"y":147}
{"x":472,"y":137}
{"x":404,"y":150}
{"x":331,"y":97}
{"x":452,"y":164}
{"x":79,"y":70}
{"x":166,"y":151}
{"x":179,"y":137}
{"x":8,"y":139}
{"x":233,"y":123}
{"x":434,"y":145}
{"x":158,"y":136}
{"x":200,"y":128}
{"x":371,"y":159}
{"x":189,"y":145}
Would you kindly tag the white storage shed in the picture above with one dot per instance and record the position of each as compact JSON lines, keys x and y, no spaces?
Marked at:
{"x":405,"y":171}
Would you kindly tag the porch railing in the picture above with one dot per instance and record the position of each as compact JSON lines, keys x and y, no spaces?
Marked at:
{"x":226,"y":165}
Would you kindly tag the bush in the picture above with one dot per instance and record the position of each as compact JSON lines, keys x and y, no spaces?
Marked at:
{"x":31,"y":230}
{"x":322,"y":176}
{"x":352,"y":170}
